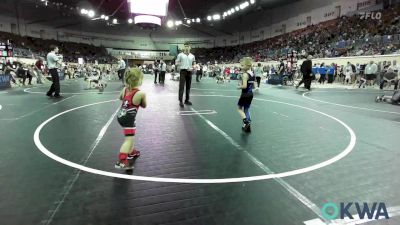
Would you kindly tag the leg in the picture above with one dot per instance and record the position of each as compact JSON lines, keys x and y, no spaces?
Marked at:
{"x":258,"y":81}
{"x":39,"y":77}
{"x":155,"y":76}
{"x":188,"y":85}
{"x":182,"y":81}
{"x":123,"y":77}
{"x":163,"y":77}
{"x":247,"y":113}
{"x":56,"y":81}
{"x":127,"y":146}
{"x":242,"y":113}
{"x":30,"y":79}
{"x":119,"y":74}
{"x":382,"y":84}
{"x":53,"y":87}
{"x":307,"y":84}
{"x":300,"y":83}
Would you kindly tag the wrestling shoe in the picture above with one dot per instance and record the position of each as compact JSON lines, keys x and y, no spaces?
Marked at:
{"x":123,"y":165}
{"x":134,"y":154}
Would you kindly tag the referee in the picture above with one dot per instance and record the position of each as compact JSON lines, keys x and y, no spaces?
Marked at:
{"x":185,"y":62}
{"x":53,"y":62}
{"x":121,"y":69}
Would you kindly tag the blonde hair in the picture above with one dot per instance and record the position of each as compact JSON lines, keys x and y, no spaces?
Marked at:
{"x":246,"y":62}
{"x":133,"y":77}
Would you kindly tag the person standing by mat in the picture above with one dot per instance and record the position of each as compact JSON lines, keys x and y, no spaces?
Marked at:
{"x":306,"y":70}
{"x":247,"y":85}
{"x":53,"y":63}
{"x":132,"y":99}
{"x":258,"y":71}
{"x":185,"y":61}
{"x":163,"y":71}
{"x":121,"y":69}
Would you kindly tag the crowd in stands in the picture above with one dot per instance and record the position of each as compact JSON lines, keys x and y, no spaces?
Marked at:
{"x":345,"y":36}
{"x":29,"y":47}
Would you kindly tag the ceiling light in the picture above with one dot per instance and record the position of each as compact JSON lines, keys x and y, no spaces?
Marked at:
{"x":216,"y":17}
{"x":91,"y":13}
{"x":244,"y":5}
{"x":170,"y":23}
{"x":209,"y":18}
{"x":237,"y":8}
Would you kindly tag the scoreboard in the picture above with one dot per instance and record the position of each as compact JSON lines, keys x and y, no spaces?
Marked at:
{"x":6,"y":49}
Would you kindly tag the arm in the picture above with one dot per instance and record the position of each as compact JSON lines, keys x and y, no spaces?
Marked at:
{"x":10,"y":68}
{"x":244,"y":81}
{"x":121,"y":95}
{"x":144,"y":101}
{"x":178,"y":60}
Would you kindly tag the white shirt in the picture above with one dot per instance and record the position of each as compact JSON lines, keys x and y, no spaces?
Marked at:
{"x":164,"y":67}
{"x":185,"y":62}
{"x":348,"y":71}
{"x":258,"y":71}
{"x":122,"y":64}
{"x":371,"y":69}
{"x":52,"y":60}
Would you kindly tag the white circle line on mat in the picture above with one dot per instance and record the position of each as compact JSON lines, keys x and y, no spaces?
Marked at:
{"x":344,"y":153}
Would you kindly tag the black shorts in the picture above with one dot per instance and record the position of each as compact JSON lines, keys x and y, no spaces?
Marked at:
{"x":127,"y":120}
{"x":370,"y":76}
{"x":245,"y":100}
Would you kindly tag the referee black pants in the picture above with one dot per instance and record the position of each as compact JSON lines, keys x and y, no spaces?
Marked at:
{"x":185,"y":80}
{"x":121,"y":74}
{"x":55,"y":87}
{"x":162,"y":77}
